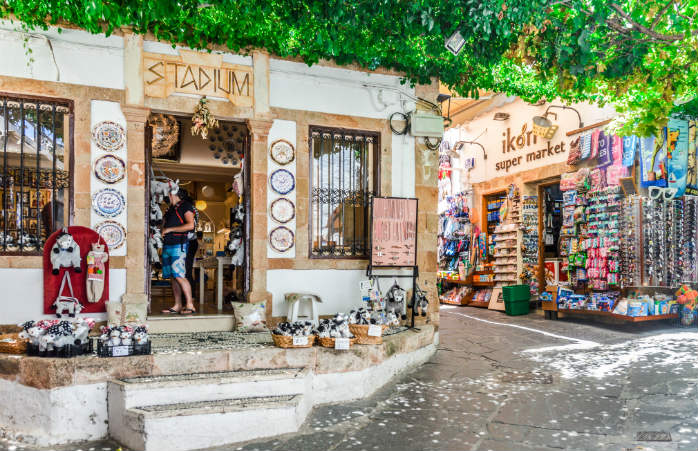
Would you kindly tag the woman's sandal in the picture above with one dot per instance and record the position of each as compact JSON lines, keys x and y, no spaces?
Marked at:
{"x":187,"y":311}
{"x":170,"y":311}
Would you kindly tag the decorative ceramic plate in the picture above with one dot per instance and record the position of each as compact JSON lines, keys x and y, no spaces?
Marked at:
{"x":282,"y":181}
{"x":281,"y":239}
{"x":282,"y":152}
{"x":110,"y":169}
{"x":113,"y":234}
{"x":282,"y":210}
{"x":108,"y":202}
{"x":109,"y":136}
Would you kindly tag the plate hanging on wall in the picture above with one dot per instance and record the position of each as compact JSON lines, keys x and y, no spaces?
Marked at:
{"x":108,"y":202}
{"x":282,"y":210}
{"x":113,"y":234}
{"x":281,"y":239}
{"x":109,"y":136}
{"x":282,"y":181}
{"x":110,"y":169}
{"x":282,"y":152}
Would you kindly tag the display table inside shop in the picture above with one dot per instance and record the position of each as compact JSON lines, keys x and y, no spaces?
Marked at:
{"x":216,"y":263}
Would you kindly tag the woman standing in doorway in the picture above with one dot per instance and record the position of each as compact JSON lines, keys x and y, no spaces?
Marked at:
{"x":176,"y":225}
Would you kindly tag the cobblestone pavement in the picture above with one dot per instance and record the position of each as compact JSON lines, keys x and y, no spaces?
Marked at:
{"x":521,"y":384}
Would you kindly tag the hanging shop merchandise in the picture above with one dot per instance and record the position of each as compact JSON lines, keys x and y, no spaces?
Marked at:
{"x":633,"y":256}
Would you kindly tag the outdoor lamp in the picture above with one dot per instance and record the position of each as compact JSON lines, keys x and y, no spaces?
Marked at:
{"x":455,"y":43}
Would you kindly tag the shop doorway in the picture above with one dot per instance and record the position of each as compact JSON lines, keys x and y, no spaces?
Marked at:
{"x":212,"y":175}
{"x":551,"y":249}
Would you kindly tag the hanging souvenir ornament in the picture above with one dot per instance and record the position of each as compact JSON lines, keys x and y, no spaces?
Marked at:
{"x":203,"y":119}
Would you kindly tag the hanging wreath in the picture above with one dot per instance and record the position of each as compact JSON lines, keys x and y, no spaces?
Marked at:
{"x":202,"y":120}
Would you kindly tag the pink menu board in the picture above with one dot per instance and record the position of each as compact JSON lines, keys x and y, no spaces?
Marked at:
{"x":394,"y":232}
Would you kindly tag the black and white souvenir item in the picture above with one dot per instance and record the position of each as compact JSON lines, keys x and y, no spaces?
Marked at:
{"x":395,"y":301}
{"x":65,"y":253}
{"x":69,"y":304}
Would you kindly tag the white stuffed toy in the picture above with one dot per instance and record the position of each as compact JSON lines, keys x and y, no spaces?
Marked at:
{"x":65,"y":253}
{"x":159,"y":190}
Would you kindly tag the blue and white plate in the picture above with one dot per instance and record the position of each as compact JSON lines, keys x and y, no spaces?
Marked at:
{"x":282,"y":181}
{"x":113,"y":234}
{"x":108,"y":203}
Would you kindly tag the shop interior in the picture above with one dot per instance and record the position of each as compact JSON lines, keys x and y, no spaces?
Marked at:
{"x":210,"y":171}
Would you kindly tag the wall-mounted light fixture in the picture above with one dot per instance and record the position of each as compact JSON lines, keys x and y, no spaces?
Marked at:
{"x":455,"y":43}
{"x":543,"y":127}
{"x":440,"y":99}
{"x":564,"y":107}
{"x":461,"y":144}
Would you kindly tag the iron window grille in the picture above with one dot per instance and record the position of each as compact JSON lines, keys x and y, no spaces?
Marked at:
{"x":344,"y":168}
{"x":36,"y":141}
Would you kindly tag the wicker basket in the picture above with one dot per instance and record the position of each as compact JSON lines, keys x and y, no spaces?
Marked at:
{"x":12,"y":344}
{"x":165,"y":134}
{"x":326,"y":342}
{"x":284,"y":341}
{"x":360,"y":331}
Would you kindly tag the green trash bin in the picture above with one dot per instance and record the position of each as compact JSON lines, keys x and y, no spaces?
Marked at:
{"x":516,"y":293}
{"x":515,"y":308}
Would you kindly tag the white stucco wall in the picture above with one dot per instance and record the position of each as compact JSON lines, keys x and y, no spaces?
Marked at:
{"x":78,"y":57}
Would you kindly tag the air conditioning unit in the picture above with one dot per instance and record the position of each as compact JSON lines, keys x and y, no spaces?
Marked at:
{"x":423,"y":123}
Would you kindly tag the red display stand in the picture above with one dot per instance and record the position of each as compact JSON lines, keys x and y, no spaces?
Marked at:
{"x":84,"y":236}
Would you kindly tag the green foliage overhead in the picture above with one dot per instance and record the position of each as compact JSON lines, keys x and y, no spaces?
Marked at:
{"x":639,"y":55}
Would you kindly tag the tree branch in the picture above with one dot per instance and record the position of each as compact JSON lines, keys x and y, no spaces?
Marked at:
{"x":660,"y":14}
{"x":643,"y":29}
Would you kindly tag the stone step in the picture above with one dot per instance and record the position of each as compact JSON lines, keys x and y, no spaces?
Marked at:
{"x":199,"y":394}
{"x":210,"y":386}
{"x":205,"y":424}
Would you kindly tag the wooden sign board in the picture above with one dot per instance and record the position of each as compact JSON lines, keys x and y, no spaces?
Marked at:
{"x":393,"y":231}
{"x":497,"y":300}
{"x":197,"y":73}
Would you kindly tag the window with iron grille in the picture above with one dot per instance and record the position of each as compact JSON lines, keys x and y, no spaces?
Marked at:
{"x":343,"y":176}
{"x":35,"y":142}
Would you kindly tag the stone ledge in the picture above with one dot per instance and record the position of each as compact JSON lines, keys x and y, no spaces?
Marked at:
{"x":49,"y":373}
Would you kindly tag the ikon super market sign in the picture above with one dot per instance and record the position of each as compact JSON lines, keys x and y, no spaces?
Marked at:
{"x":521,"y":150}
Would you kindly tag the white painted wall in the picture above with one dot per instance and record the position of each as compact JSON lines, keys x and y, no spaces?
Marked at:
{"x":49,"y":417}
{"x":338,"y":289}
{"x":23,"y":294}
{"x":332,"y":90}
{"x":78,"y":57}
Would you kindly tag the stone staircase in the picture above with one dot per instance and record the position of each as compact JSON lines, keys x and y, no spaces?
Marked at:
{"x":203,"y":410}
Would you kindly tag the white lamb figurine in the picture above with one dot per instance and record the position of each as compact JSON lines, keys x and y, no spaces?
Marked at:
{"x":114,"y":337}
{"x":126,"y":338}
{"x":82,"y":330}
{"x":64,"y":339}
{"x":65,"y":253}
{"x":46,"y":342}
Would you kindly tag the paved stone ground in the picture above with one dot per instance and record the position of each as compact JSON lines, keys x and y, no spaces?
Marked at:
{"x":521,"y":384}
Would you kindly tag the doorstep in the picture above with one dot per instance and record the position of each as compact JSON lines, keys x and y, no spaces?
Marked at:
{"x":49,"y":373}
{"x":193,"y":323}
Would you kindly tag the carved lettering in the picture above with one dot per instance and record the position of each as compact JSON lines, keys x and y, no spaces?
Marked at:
{"x":190,"y":73}
{"x":202,"y":72}
{"x":158,"y":75}
{"x":245,"y":82}
{"x":199,"y":74}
